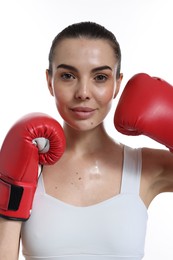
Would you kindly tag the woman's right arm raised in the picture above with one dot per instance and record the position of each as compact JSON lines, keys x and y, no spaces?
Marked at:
{"x":9,"y":239}
{"x":35,"y":139}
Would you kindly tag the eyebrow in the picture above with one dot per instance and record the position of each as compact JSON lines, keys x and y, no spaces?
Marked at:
{"x":69,"y":67}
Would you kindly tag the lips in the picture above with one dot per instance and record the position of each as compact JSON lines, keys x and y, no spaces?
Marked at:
{"x":83,"y":112}
{"x":82,"y":109}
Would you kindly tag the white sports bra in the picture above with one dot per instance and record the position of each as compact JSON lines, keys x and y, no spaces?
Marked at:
{"x":114,"y":229}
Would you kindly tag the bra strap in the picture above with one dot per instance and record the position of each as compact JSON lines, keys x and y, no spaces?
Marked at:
{"x":132,"y":167}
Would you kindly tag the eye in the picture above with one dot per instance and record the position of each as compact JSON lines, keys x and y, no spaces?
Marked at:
{"x":67,"y":76}
{"x":101,"y":78}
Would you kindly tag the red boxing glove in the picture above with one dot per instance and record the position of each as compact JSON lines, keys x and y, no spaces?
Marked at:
{"x":34,"y":139}
{"x":146,"y":107}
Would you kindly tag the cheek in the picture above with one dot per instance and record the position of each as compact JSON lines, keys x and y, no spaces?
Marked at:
{"x":105,"y":96}
{"x":61,"y":96}
{"x":60,"y":100}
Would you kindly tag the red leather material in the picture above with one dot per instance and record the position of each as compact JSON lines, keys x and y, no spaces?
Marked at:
{"x":146,"y":107}
{"x":5,"y":190}
{"x":20,"y":159}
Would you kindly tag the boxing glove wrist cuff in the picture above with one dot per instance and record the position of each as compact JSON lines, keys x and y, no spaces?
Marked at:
{"x":15,"y":199}
{"x":12,"y":195}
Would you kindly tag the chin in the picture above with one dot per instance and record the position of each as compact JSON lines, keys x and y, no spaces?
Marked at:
{"x":82,"y":127}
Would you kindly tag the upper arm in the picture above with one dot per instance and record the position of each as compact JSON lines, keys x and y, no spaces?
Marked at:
{"x":158,"y":169}
{"x":9,"y":239}
{"x":166,"y":175}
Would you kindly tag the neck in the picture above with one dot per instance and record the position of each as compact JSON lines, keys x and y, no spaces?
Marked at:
{"x":86,"y":141}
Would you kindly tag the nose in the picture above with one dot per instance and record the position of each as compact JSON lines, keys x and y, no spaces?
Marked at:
{"x":82,"y":91}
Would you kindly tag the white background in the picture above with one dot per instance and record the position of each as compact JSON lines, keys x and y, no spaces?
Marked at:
{"x":144,"y":30}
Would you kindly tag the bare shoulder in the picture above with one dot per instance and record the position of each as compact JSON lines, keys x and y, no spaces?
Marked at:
{"x":157,"y":172}
{"x":9,"y":239}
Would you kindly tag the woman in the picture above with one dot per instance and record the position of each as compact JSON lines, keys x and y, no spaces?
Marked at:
{"x":91,"y":204}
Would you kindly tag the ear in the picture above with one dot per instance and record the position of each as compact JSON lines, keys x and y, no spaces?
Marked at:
{"x":118,"y":84}
{"x":49,"y":82}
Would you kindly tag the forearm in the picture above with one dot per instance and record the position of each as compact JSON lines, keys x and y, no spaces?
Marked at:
{"x":9,"y":239}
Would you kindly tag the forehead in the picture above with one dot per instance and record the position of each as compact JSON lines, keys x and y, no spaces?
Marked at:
{"x":82,"y":49}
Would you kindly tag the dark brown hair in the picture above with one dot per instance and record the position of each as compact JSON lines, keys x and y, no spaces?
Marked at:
{"x":88,"y":30}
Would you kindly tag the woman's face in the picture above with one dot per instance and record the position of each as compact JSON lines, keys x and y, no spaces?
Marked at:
{"x":83,"y":81}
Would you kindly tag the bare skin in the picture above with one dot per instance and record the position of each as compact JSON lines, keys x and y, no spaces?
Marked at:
{"x":97,"y":175}
{"x":94,"y":169}
{"x":91,"y":176}
{"x":9,"y":239}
